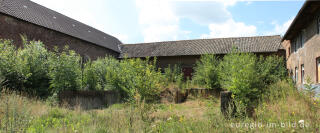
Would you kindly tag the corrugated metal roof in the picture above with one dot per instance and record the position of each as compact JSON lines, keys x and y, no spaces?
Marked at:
{"x":39,"y":15}
{"x":257,"y":44}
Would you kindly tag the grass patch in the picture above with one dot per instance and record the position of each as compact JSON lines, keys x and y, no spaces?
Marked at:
{"x":284,"y":112}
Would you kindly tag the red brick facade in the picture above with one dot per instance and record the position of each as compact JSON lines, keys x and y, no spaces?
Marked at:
{"x":11,"y":28}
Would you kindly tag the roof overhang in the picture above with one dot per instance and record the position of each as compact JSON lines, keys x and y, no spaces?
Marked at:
{"x":306,"y":14}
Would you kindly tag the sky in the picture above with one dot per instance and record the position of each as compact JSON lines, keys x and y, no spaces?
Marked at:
{"x":138,"y":21}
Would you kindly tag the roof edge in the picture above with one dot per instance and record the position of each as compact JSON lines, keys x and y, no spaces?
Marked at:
{"x":295,"y":19}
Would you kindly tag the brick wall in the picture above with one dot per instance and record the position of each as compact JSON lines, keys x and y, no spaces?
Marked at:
{"x":12,"y":28}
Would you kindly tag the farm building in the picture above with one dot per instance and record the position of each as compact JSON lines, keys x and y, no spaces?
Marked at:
{"x":186,"y":52}
{"x":302,"y":44}
{"x":24,"y":17}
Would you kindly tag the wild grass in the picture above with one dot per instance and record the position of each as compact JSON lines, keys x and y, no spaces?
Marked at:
{"x":280,"y":111}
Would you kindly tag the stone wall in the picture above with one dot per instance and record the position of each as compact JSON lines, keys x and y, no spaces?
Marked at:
{"x":11,"y":28}
{"x":88,"y":99}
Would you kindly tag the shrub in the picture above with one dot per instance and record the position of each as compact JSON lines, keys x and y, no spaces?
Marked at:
{"x":95,"y":73}
{"x":11,"y":71}
{"x":65,"y":71}
{"x":135,"y":79}
{"x":173,"y":74}
{"x":206,"y":72}
{"x":271,"y":69}
{"x":35,"y":66}
{"x":239,"y":74}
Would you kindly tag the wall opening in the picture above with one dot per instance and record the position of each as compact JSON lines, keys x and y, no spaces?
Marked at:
{"x":296,"y":74}
{"x":318,"y":69}
{"x":302,"y":74}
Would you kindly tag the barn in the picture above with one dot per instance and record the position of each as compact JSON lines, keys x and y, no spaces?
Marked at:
{"x":24,"y":17}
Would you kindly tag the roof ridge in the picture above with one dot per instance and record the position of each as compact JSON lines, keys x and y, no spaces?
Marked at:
{"x":161,"y":42}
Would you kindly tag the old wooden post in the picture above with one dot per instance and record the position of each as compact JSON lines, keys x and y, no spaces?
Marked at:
{"x":227,"y":105}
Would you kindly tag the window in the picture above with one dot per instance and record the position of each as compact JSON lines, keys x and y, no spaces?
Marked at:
{"x":303,"y":37}
{"x":296,"y":74}
{"x":295,"y":45}
{"x":318,"y":25}
{"x":318,"y":70}
{"x":302,"y":73}
{"x":299,"y":41}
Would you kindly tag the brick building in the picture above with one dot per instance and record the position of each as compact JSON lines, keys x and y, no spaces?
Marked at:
{"x":187,"y":52}
{"x":302,"y":44}
{"x":24,"y":17}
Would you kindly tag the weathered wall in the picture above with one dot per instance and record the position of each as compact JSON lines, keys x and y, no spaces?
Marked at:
{"x":88,"y":99}
{"x":306,"y":55}
{"x":12,"y":28}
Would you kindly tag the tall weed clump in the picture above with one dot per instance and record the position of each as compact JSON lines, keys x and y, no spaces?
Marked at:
{"x":65,"y":70}
{"x":173,"y":75}
{"x":206,"y":72}
{"x":135,"y":79}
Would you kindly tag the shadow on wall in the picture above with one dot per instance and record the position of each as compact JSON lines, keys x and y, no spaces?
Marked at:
{"x":88,"y":99}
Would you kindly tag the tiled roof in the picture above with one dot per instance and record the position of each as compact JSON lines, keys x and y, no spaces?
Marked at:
{"x":39,"y":15}
{"x":258,"y":44}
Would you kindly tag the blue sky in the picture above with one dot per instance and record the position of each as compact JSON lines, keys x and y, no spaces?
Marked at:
{"x":137,"y":21}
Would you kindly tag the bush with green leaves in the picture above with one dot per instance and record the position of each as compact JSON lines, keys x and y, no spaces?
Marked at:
{"x":173,"y":73}
{"x":135,"y":79}
{"x":95,"y":73}
{"x":25,"y":69}
{"x":206,"y":72}
{"x":65,"y":70}
{"x":35,"y":66}
{"x":11,"y":71}
{"x":248,"y":77}
{"x":239,"y":74}
{"x":272,"y":69}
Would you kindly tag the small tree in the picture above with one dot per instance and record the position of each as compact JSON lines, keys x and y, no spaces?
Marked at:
{"x":206,"y":72}
{"x":11,"y":71}
{"x":35,"y":66}
{"x":65,"y":71}
{"x":239,"y":74}
{"x":133,"y":77}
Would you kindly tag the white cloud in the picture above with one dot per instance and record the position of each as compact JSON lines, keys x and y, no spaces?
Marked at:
{"x":280,"y":28}
{"x":202,"y":12}
{"x":230,"y":29}
{"x":160,"y":19}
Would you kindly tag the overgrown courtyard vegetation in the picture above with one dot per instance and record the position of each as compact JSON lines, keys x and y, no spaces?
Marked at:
{"x":266,"y":99}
